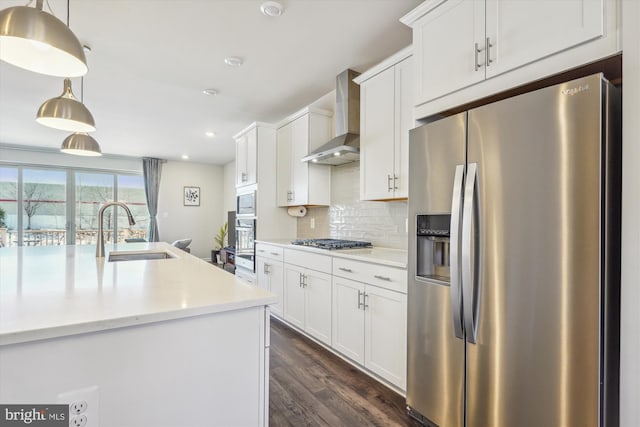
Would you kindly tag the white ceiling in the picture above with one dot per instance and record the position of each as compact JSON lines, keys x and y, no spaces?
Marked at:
{"x":151,"y":59}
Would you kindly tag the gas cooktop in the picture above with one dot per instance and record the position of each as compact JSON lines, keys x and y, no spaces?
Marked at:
{"x":331,"y":243}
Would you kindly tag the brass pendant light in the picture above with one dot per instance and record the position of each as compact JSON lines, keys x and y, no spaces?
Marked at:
{"x":65,"y":112}
{"x":38,"y":41}
{"x":81,"y":144}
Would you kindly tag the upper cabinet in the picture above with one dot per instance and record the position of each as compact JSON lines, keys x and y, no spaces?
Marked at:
{"x":301,"y":183}
{"x":459,"y":43}
{"x":246,"y":156}
{"x":386,"y":115}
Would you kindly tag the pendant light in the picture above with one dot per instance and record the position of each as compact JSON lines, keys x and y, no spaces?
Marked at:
{"x":65,"y":112}
{"x":81,"y":143}
{"x":38,"y":41}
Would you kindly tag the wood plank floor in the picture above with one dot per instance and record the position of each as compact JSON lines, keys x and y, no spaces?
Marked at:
{"x":309,"y":386}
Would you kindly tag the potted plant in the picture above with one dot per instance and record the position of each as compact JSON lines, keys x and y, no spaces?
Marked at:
{"x":219,"y":239}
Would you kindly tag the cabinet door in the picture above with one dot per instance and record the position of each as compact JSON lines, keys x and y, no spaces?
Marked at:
{"x":318,"y":305}
{"x":283,"y":168}
{"x":262,"y":276}
{"x":276,"y":276}
{"x":445,"y":52}
{"x":299,"y":170}
{"x":294,"y":295}
{"x":524,"y":31}
{"x":386,"y":334}
{"x":348,"y":318}
{"x":377,"y":97}
{"x":252,"y":156}
{"x":404,"y":122}
{"x":241,"y":160}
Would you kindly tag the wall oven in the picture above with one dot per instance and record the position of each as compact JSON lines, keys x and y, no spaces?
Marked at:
{"x":245,"y":247}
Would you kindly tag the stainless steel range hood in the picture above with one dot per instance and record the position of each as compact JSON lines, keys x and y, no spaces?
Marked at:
{"x":344,"y":148}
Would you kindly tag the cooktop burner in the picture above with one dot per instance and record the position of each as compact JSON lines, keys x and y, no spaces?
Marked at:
{"x":331,"y":243}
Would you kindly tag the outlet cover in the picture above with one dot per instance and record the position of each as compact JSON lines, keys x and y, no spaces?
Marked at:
{"x":85,"y":400}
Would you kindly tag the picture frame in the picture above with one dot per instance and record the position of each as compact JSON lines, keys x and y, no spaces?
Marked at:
{"x":192,"y":196}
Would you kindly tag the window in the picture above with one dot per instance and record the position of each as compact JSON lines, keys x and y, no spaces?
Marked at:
{"x":60,"y":206}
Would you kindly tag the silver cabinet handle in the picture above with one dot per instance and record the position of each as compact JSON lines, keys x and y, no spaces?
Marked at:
{"x":489,"y":46}
{"x":471,"y":253}
{"x":261,"y":250}
{"x":300,"y":279}
{"x":454,"y":252}
{"x":304,"y":280}
{"x":244,"y":177}
{"x":364,"y":301}
{"x":476,"y":51}
{"x":348,"y":270}
{"x":388,"y":183}
{"x":360,"y":304}
{"x":387,"y":279}
{"x":275,"y":253}
{"x":395,"y":178}
{"x":266,"y":268}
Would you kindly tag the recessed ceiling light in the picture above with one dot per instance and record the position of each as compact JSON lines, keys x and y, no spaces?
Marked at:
{"x":271,"y":8}
{"x":233,"y":61}
{"x":210,"y":91}
{"x":336,"y":153}
{"x":210,"y":134}
{"x":185,"y":157}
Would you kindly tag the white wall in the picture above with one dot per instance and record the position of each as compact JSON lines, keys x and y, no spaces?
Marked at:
{"x":229,"y":202}
{"x":630,"y":315}
{"x":200,"y":223}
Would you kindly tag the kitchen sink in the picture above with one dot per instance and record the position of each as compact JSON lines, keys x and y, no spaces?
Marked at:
{"x":115,"y":256}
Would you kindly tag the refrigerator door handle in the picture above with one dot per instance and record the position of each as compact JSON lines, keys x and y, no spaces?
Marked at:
{"x":470,"y":252}
{"x":454,"y":252}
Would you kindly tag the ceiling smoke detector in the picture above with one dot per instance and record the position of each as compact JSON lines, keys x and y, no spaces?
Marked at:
{"x":233,"y":61}
{"x":272,"y":9}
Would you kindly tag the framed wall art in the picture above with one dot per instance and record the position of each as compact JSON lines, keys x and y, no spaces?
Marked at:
{"x":192,"y":196}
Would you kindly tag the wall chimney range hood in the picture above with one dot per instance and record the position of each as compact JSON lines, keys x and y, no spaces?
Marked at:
{"x":345,"y":147}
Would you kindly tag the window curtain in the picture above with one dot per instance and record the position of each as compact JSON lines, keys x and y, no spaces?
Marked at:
{"x":152,"y":169}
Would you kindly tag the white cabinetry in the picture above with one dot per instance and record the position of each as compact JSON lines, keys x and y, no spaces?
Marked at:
{"x":307,"y":293}
{"x":301,"y":183}
{"x":369,"y":321}
{"x":270,"y":273}
{"x":459,"y":43}
{"x":256,"y":147}
{"x":386,"y":115}
{"x":246,"y":157}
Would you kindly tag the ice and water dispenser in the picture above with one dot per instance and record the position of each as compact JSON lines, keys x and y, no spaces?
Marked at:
{"x":433,"y":246}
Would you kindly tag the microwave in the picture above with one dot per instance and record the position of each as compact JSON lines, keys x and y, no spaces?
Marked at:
{"x":246,"y":202}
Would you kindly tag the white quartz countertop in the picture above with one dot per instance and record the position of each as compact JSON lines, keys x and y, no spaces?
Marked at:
{"x":378,"y":255}
{"x":53,"y":291}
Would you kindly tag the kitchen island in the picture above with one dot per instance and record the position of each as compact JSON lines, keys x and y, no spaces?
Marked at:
{"x":163,"y":342}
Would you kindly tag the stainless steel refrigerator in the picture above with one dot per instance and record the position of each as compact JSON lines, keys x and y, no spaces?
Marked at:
{"x":514,"y":249}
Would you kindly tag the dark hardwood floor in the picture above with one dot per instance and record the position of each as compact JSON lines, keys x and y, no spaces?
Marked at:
{"x":309,"y":386}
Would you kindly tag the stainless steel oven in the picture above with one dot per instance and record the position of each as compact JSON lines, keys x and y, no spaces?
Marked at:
{"x":245,"y":246}
{"x":246,"y":202}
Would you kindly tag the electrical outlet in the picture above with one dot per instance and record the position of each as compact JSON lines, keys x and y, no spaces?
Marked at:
{"x":312,"y":223}
{"x":78,"y":421}
{"x":78,"y":407}
{"x":83,"y":406}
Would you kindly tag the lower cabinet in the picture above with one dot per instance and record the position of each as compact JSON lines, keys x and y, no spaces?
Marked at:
{"x":270,"y":276}
{"x":370,"y":327}
{"x":307,"y":302}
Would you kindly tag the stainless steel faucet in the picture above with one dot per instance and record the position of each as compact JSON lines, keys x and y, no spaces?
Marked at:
{"x":100,"y":243}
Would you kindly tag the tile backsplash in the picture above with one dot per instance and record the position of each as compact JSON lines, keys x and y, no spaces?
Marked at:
{"x":381,"y":223}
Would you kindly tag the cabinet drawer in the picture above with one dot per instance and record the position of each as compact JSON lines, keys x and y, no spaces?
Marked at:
{"x":270,"y":251}
{"x":308,"y":260}
{"x":383,"y":276}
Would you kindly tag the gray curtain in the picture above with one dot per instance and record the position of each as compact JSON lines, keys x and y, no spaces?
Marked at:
{"x":152,"y":169}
